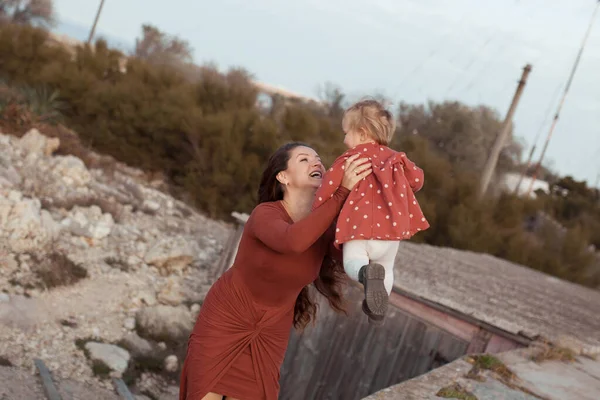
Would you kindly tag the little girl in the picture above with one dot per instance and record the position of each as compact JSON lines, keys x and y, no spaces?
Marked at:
{"x":382,"y":209}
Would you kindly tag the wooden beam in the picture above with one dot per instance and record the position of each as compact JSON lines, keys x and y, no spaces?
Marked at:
{"x":479,"y":342}
{"x":50,"y":389}
{"x":522,"y":340}
{"x":122,"y":389}
{"x":455,"y":326}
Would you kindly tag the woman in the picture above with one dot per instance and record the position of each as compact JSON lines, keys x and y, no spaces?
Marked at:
{"x":239,"y":341}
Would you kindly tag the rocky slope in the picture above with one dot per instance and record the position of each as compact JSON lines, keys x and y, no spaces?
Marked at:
{"x":100,"y":274}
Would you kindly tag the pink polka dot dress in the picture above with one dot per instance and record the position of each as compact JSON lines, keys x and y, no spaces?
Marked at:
{"x":383,"y":205}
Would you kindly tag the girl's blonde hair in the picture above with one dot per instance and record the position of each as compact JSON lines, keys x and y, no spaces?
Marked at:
{"x":373,"y":118}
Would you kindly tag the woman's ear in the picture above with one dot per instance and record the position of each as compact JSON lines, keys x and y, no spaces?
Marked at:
{"x":282,"y":178}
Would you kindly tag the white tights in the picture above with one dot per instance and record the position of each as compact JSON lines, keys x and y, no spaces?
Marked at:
{"x":358,"y":253}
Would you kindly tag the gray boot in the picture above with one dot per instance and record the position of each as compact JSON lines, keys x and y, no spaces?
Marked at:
{"x":376,"y":297}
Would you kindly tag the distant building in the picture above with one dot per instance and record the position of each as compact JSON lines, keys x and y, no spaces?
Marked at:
{"x":510,"y":181}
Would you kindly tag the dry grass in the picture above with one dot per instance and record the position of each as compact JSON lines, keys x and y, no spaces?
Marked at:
{"x":499,"y":369}
{"x":490,"y":363}
{"x":455,"y":391}
{"x":5,"y":362}
{"x":553,"y":353}
{"x":55,"y":269}
{"x":117,"y":263}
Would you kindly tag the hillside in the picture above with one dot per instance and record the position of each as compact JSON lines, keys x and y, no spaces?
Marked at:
{"x":101,"y":273}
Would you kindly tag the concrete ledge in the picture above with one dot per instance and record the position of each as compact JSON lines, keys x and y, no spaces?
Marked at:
{"x":549,"y":380}
{"x":424,"y":386}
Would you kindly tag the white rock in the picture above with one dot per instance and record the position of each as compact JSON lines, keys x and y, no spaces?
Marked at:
{"x":150,"y":205}
{"x":144,"y":297}
{"x":15,"y":196}
{"x":89,"y":222}
{"x":27,"y":229}
{"x":195,"y":309}
{"x":71,"y":170}
{"x":129,"y":323}
{"x":33,"y":142}
{"x":171,"y":363}
{"x":4,"y":182}
{"x":113,"y":357}
{"x":4,"y":298}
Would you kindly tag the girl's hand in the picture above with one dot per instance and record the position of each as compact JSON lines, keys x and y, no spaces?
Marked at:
{"x":355,"y":169}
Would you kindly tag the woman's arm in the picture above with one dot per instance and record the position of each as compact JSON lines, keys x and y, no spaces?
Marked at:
{"x":268,"y":225}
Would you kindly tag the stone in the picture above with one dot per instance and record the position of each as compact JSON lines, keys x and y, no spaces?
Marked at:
{"x":89,"y":222}
{"x":108,"y":355}
{"x":129,"y":323}
{"x":171,"y":293}
{"x":71,"y":170}
{"x":171,"y":363}
{"x":36,"y":143}
{"x":151,"y":384}
{"x":171,"y":254}
{"x":25,"y":225}
{"x":150,"y":205}
{"x":144,"y":297}
{"x":164,"y":323}
{"x":137,"y":346}
{"x":195,"y":309}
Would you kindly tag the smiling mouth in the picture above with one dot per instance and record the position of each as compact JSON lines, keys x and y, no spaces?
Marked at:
{"x":316,"y":174}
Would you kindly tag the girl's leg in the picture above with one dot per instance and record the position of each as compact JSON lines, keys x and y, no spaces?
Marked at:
{"x":355,"y":257}
{"x":384,"y":252}
{"x":358,"y":268}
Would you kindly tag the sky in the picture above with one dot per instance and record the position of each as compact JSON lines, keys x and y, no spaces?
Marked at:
{"x":408,"y":50}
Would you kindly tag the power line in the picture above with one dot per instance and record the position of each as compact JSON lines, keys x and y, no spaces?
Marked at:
{"x":490,"y":59}
{"x":562,"y":101}
{"x":469,"y":64}
{"x":434,"y":52}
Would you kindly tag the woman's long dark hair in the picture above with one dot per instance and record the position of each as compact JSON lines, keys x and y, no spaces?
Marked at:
{"x":331,"y":275}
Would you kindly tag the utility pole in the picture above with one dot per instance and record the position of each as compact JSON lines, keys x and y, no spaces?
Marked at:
{"x":562,"y":100}
{"x":93,"y":30}
{"x":490,"y":164}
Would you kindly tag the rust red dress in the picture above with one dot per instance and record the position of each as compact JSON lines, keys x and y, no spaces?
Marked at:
{"x":239,"y":341}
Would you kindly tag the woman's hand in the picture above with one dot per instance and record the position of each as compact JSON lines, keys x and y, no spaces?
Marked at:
{"x":355,"y":169}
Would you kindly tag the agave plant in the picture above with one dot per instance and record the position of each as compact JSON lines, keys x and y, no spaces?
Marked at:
{"x":23,"y":106}
{"x":44,"y":103}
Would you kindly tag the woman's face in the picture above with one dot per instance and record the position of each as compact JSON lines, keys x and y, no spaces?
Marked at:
{"x":304,"y":169}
